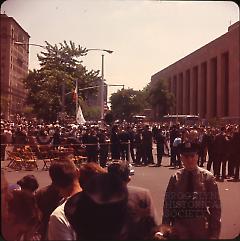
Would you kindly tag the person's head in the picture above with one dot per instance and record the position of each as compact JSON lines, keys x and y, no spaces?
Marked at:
{"x":87,"y":170}
{"x":121,"y":170}
{"x":29,"y":183}
{"x":192,"y":135}
{"x":189,"y":155}
{"x":23,"y":213}
{"x":64,"y":174}
{"x":99,"y":211}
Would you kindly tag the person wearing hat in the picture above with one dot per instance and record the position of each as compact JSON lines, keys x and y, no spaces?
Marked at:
{"x":192,"y":203}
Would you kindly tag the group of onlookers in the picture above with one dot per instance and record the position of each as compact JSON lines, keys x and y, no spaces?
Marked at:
{"x":86,"y":203}
{"x":95,"y":201}
{"x":219,"y":147}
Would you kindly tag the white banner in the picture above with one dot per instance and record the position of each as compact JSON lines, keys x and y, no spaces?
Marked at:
{"x":79,"y":117}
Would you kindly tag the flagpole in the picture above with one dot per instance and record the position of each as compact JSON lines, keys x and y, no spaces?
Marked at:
{"x":76,"y":98}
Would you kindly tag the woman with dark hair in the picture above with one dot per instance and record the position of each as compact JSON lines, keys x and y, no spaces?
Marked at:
{"x":28,"y":183}
{"x":22,"y":217}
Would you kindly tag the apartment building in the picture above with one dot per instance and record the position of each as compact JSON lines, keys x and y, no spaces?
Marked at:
{"x":14,"y":66}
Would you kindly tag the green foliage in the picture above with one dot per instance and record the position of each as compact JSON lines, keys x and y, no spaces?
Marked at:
{"x":126,"y":103}
{"x":160,"y":99}
{"x":56,"y":78}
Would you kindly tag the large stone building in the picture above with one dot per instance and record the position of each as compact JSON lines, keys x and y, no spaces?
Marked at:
{"x":14,"y":66}
{"x":207,"y":81}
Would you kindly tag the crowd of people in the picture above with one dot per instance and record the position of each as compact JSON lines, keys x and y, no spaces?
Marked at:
{"x":96,"y":201}
{"x":218,"y":146}
{"x":86,"y":203}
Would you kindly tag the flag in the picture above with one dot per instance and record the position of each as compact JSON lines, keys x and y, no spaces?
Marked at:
{"x":79,"y":117}
{"x":75,"y":96}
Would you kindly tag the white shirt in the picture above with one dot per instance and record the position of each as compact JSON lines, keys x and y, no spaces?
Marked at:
{"x":177,"y":141}
{"x":59,"y":227}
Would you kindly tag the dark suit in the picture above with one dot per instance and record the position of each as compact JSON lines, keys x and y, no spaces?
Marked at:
{"x":141,"y":221}
{"x":139,"y":149}
{"x":220,"y":150}
{"x":103,"y":150}
{"x":115,"y":145}
{"x":124,"y":138}
{"x":160,"y":139}
{"x":147,"y":147}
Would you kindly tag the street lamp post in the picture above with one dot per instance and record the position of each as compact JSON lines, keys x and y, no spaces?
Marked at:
{"x":102,"y":80}
{"x":102,"y":74}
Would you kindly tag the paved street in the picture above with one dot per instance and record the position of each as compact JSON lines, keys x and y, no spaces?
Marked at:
{"x":156,"y":179}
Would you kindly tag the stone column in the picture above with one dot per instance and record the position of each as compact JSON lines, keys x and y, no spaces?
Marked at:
{"x":180,"y":94}
{"x":175,"y":93}
{"x":193,"y":91}
{"x":184,"y":93}
{"x":211,"y":88}
{"x":223,"y":96}
{"x":202,"y":96}
{"x":187,"y":79}
{"x":219,"y":90}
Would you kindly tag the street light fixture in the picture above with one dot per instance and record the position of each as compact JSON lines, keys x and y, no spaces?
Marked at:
{"x":102,"y":74}
{"x":21,"y":43}
{"x":102,"y":78}
{"x":105,"y":50}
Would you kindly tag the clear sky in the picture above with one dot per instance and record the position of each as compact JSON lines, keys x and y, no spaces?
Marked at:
{"x":146,"y":36}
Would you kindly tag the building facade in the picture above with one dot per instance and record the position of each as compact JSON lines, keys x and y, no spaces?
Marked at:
{"x":207,"y":81}
{"x":14,"y":66}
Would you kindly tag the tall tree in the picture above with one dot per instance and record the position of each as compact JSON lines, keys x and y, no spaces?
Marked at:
{"x":159,"y":98}
{"x":50,"y":88}
{"x":127,"y":102}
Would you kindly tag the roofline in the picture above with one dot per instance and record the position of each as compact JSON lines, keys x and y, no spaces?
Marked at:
{"x":13,"y":20}
{"x":229,"y":29}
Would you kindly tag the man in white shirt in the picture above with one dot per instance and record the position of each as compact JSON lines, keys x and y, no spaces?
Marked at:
{"x":64,"y":175}
{"x":69,"y":181}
